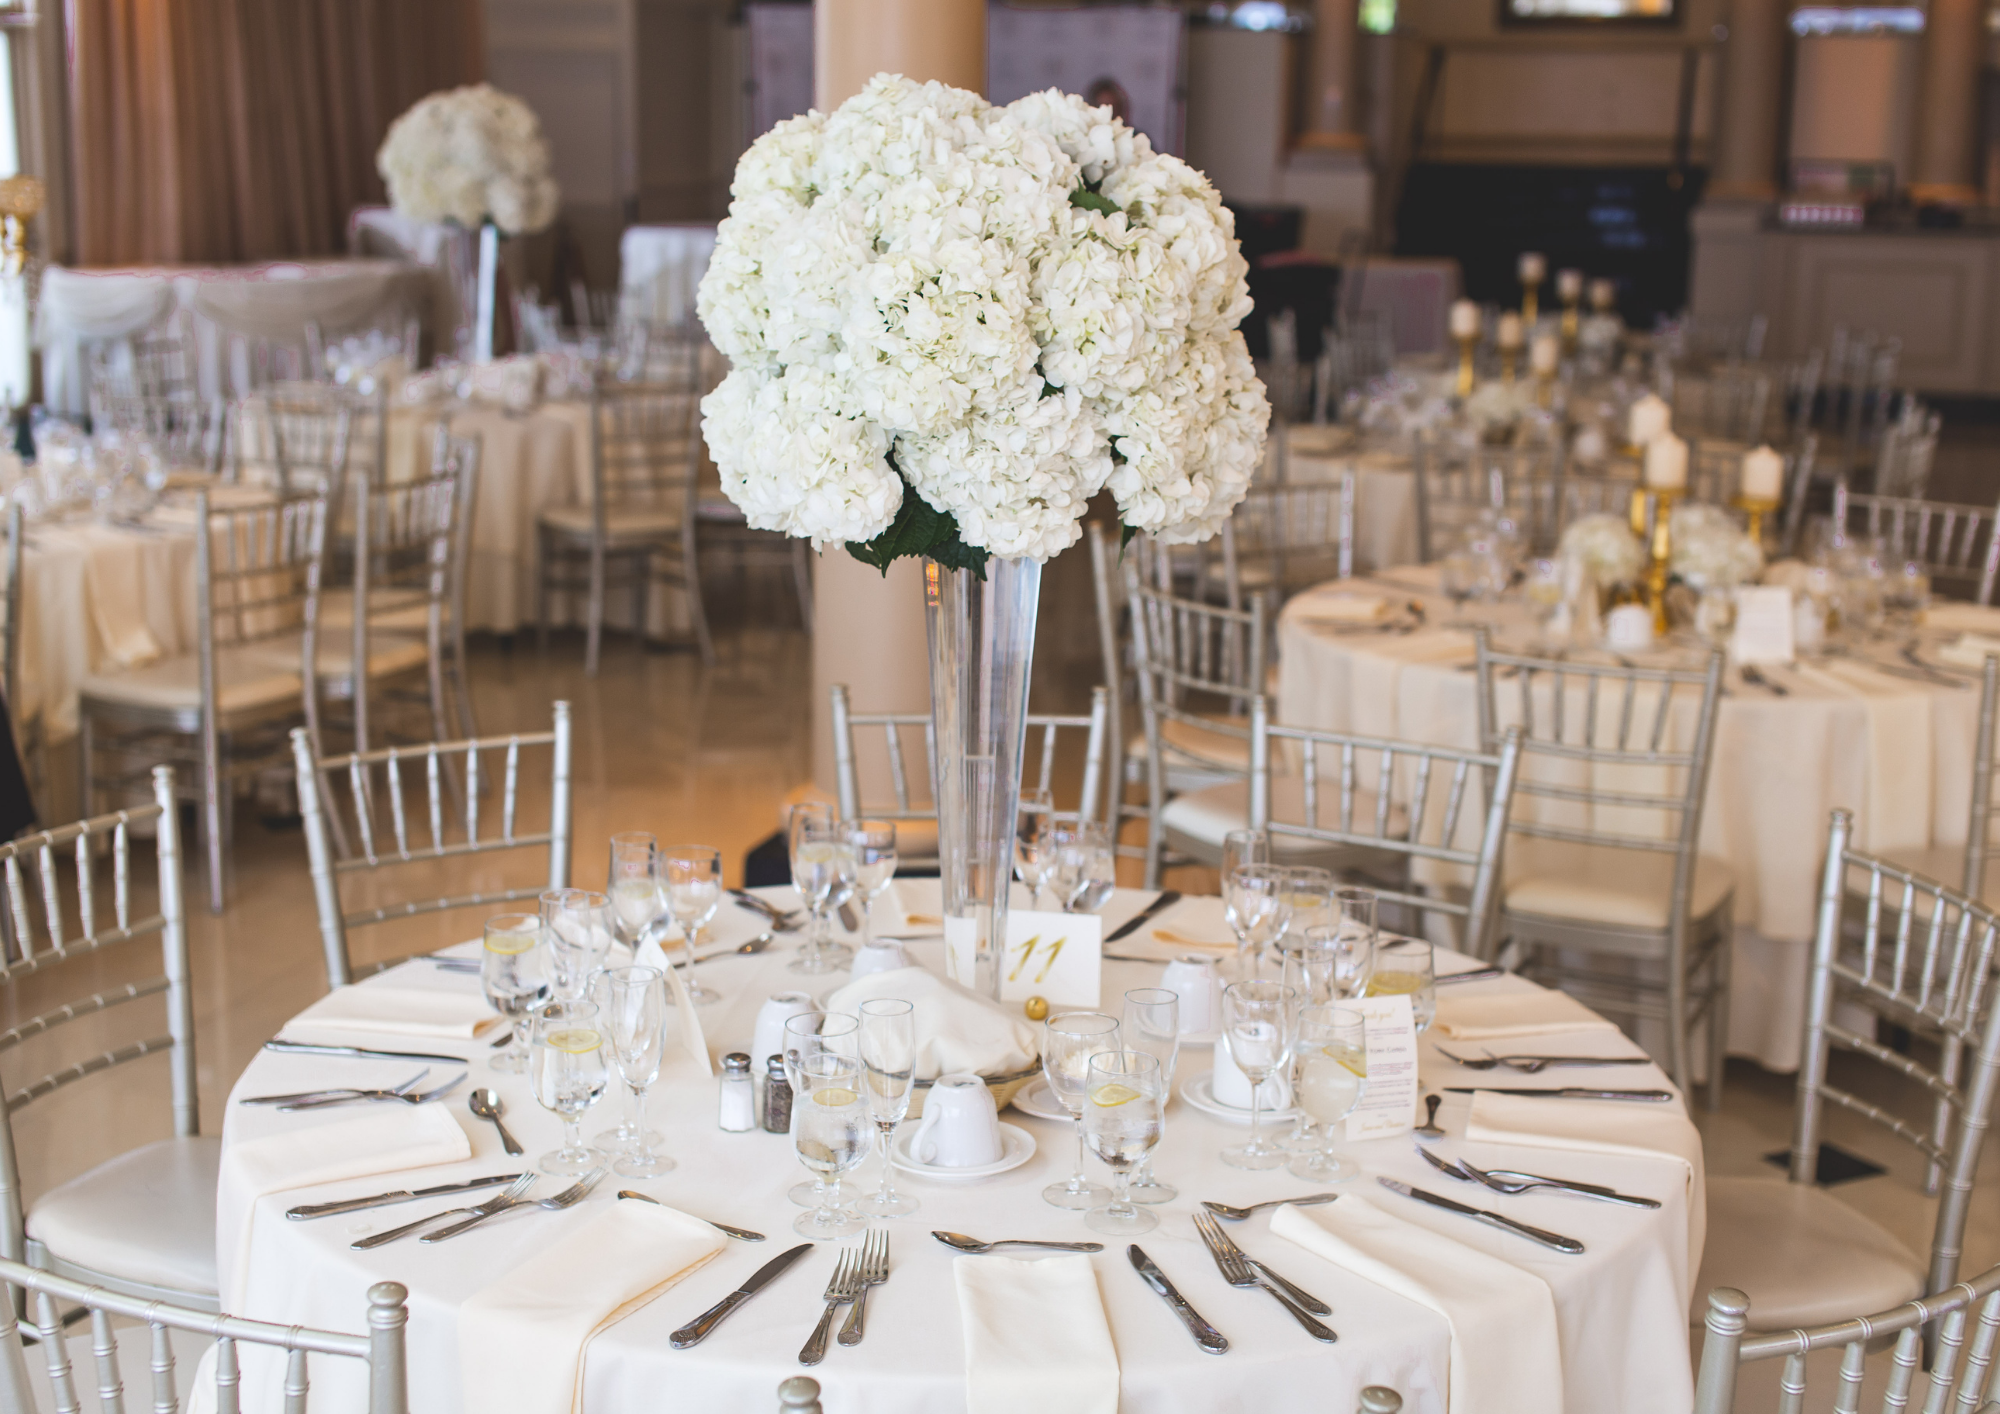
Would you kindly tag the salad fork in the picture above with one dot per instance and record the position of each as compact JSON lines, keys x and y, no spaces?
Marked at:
{"x":342,"y":1092}
{"x":568,"y":1198}
{"x":874,"y":1271}
{"x":1236,"y":1270}
{"x":843,"y":1288}
{"x":506,"y":1197}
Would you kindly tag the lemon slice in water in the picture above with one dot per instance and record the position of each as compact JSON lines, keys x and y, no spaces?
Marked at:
{"x":574,"y":1040}
{"x":834,"y":1097}
{"x":1113,"y":1094}
{"x":512,"y":944}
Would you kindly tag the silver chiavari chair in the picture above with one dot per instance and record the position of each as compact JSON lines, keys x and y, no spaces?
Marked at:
{"x":1798,"y":490}
{"x":1729,"y":403}
{"x":915,"y":812}
{"x":295,"y":437}
{"x":1955,"y":543}
{"x":1959,"y":1377}
{"x":369,"y":795}
{"x":1908,"y":447}
{"x":1453,"y":489}
{"x":1585,"y":874}
{"x":29,"y":729}
{"x":1281,"y":539}
{"x":142,"y":1223}
{"x":1924,"y":959}
{"x":147,"y":1349}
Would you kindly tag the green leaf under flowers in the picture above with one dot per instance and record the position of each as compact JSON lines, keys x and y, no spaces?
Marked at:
{"x":1094,"y":201}
{"x":919,"y":530}
{"x":1125,"y":534}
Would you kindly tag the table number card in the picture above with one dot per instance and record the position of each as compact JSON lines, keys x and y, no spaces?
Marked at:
{"x":1763,"y":625}
{"x":1389,"y":1104}
{"x":1056,"y":956}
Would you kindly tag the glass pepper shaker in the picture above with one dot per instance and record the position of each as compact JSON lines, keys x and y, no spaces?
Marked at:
{"x":777,"y":1097}
{"x":738,"y":1113}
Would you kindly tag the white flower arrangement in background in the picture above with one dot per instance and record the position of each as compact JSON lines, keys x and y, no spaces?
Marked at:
{"x":1710,"y":550}
{"x":1605,"y":546}
{"x":951,"y":324}
{"x":470,"y":155}
{"x":1495,"y":406}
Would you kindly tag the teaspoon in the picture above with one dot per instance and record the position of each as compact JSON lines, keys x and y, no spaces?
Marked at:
{"x":973,"y":1244}
{"x":487,"y":1104}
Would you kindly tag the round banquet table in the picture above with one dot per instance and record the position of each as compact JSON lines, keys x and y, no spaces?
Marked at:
{"x":1621,"y":1307}
{"x":1385,"y":490}
{"x":1896,"y":750}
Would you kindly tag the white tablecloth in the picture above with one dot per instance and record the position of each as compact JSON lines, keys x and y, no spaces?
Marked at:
{"x":1621,"y":1306}
{"x":1781,"y":764}
{"x":1385,"y":492}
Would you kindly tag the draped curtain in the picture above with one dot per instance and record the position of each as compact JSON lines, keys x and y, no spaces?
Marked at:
{"x":229,"y":130}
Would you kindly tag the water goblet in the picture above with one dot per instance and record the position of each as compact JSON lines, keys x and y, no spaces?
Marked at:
{"x":888,"y":1057}
{"x":579,"y":932}
{"x":513,"y":971}
{"x":1152,"y":1023}
{"x":823,"y":870}
{"x":634,"y":885}
{"x":810,"y":1034}
{"x":1310,"y":893}
{"x":1123,"y":1100}
{"x":1257,"y":1018}
{"x":1257,"y":906}
{"x":830,"y":1133}
{"x":1031,"y":828}
{"x":691,"y":878}
{"x":569,"y":1070}
{"x":1332,"y":1077}
{"x":636,"y":1002}
{"x":1407,"y":967}
{"x":1241,"y":847}
{"x":1069,"y":1041}
{"x":1088,"y":866}
{"x":874,"y":844}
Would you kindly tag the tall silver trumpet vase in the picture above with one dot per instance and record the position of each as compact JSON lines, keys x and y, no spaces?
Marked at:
{"x":982,"y":640}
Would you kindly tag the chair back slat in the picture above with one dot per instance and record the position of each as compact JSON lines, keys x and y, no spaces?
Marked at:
{"x":1954,"y":543}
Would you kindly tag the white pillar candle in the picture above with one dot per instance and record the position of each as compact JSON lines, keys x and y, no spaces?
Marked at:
{"x":1667,"y":463}
{"x":1464,"y":319}
{"x":1603,"y":294}
{"x":1763,"y":475}
{"x":1511,"y":333}
{"x":1569,"y":284}
{"x":1534,"y":268}
{"x":1648,"y":419}
{"x":1544,"y":353}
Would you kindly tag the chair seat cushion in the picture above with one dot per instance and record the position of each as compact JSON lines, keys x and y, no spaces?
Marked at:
{"x":1208,"y":815}
{"x":634,"y":523}
{"x":388,"y":653}
{"x":1801,"y":1255}
{"x":246,"y":679}
{"x":145,"y":1216}
{"x":1946,"y":864}
{"x":1623,"y":888}
{"x":404,"y":611}
{"x":1183,"y":742}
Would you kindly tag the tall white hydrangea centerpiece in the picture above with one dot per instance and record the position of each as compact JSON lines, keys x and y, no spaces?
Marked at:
{"x":952,"y":324}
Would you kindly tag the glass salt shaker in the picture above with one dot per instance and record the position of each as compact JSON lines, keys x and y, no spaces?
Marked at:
{"x":739,"y":1096}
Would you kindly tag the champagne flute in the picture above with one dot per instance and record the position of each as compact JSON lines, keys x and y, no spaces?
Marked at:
{"x":799,"y":818}
{"x":1310,"y":892}
{"x":835,"y":1033}
{"x":1257,"y":1018}
{"x":637,"y":1001}
{"x":1152,"y":1023}
{"x":1257,"y":906}
{"x":1068,"y":1042}
{"x":513,"y":971}
{"x":691,"y":877}
{"x":1356,"y":937}
{"x":889,"y":1057}
{"x":823,"y":871}
{"x":1121,"y":1117}
{"x":830,"y":1134}
{"x":569,"y":1071}
{"x":1031,"y":829}
{"x":634,"y":885}
{"x":874,"y":844}
{"x":1408,"y":967}
{"x":1332,"y":1077}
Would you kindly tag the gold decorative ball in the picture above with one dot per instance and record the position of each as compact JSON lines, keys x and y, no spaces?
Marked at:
{"x":1037,"y":1008}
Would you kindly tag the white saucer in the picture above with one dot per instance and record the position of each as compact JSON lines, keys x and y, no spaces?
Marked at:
{"x":1199,"y":1091}
{"x":1017,"y":1146}
{"x":1040,"y":1101}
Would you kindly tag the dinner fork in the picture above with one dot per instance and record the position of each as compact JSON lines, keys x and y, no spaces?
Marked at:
{"x":508,"y":1195}
{"x":845,"y":1286}
{"x":405,"y":1096}
{"x":1512,"y":1181}
{"x":341,"y":1091}
{"x":1292,"y":1289}
{"x":1535,"y":1065}
{"x":874,"y":1271}
{"x":1236,"y":1270}
{"x":568,"y":1198}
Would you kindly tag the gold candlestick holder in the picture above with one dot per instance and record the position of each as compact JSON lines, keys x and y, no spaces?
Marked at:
{"x":1754,"y":509}
{"x":1530,"y":303}
{"x":21,"y":200}
{"x":1545,"y":388}
{"x":1662,"y":545}
{"x":1572,"y":324}
{"x":1509,"y":359}
{"x":1466,"y":343}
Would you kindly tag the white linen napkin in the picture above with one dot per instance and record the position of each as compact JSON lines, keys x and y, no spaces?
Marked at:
{"x":522,"y":1337}
{"x":1035,"y":1336}
{"x":956,"y":1030}
{"x":1509,"y":1014}
{"x":1661,"y":1132}
{"x":434,"y":1012}
{"x":1506,"y":1357}
{"x":1340,"y":606}
{"x":388,"y":1139}
{"x":1969,"y":651}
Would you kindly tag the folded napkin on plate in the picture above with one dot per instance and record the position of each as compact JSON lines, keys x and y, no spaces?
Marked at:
{"x":1511,"y":1014}
{"x":1340,"y":606}
{"x":389,"y":1139}
{"x":1946,"y":616}
{"x":1969,"y":651}
{"x":399,"y":1011}
{"x":1506,"y":1357}
{"x":1601,"y":1127}
{"x":522,"y":1337}
{"x":956,"y":1030}
{"x":1035,"y":1336}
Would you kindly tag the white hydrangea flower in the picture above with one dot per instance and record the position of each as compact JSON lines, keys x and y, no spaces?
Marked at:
{"x":467,"y":155}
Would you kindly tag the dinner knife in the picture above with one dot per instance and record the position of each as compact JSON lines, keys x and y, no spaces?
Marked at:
{"x":1567,"y":1092}
{"x":301,"y":1048}
{"x":1472,"y":974}
{"x":1167,"y":899}
{"x":697,"y":1330}
{"x":1205,"y":1335}
{"x":401,"y":1195}
{"x":1548,"y":1239}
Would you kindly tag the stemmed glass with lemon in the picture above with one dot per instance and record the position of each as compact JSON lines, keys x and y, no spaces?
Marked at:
{"x":570,"y":1069}
{"x":1123,"y":1097}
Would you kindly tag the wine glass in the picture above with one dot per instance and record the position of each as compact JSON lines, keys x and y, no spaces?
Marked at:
{"x":823,"y":869}
{"x":1123,"y":1098}
{"x":1087,"y":867}
{"x":1069,"y":1041}
{"x":1332,"y":1077}
{"x":830,"y":1133}
{"x":1257,"y":905}
{"x":889,"y":1056}
{"x":1241,"y":847}
{"x":1257,"y":1018}
{"x":636,"y":999}
{"x":1310,"y":892}
{"x":1408,"y":967}
{"x":513,"y":970}
{"x":634,"y":885}
{"x":569,"y":1070}
{"x":1031,"y":828}
{"x":1152,"y":1023}
{"x":874,"y":843}
{"x":577,"y":926}
{"x":835,"y":1033}
{"x":691,"y":878}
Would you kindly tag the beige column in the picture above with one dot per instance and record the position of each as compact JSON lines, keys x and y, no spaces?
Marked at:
{"x":1753,"y":63}
{"x":1948,"y":101}
{"x":868,"y":630}
{"x":1333,"y":117}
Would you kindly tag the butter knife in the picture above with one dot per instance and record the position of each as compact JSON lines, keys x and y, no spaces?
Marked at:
{"x":695,"y":1331}
{"x":1205,"y":1335}
{"x":401,"y":1195}
{"x":1567,"y":1092}
{"x":1167,"y":899}
{"x":1535,"y":1234}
